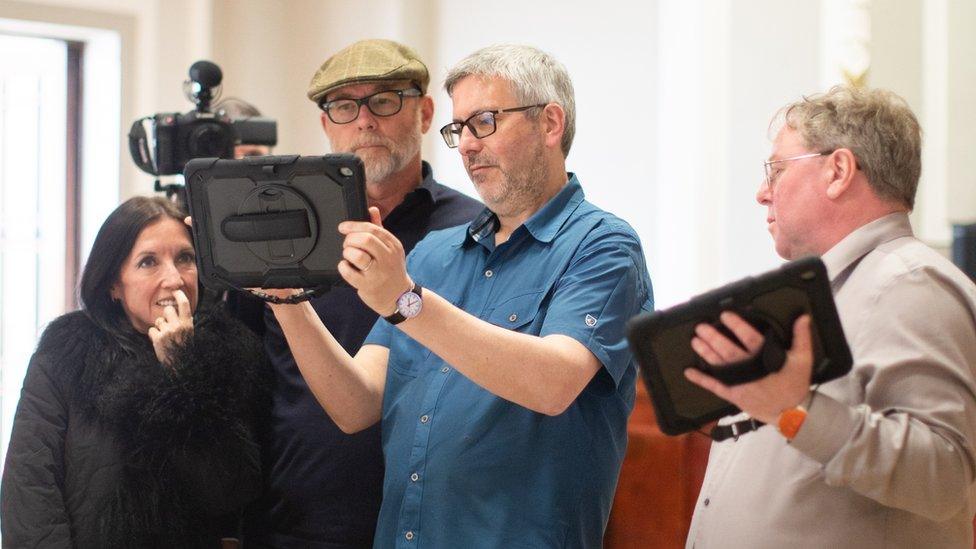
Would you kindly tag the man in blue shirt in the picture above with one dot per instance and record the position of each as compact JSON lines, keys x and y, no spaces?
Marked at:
{"x":500,"y":371}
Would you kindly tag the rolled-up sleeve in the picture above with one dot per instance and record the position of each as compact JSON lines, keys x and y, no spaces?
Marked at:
{"x":605,"y":284}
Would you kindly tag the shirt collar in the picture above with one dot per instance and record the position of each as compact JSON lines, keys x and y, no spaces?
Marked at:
{"x":864,"y":239}
{"x":483,"y":226}
{"x":427,"y":192}
{"x":543,"y":225}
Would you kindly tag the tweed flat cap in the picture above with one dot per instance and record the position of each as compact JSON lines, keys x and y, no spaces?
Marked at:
{"x":368,"y":61}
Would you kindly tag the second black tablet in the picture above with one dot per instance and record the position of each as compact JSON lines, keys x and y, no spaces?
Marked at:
{"x":771,"y":302}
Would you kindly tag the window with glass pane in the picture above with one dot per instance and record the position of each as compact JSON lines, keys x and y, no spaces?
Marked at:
{"x":33,"y":103}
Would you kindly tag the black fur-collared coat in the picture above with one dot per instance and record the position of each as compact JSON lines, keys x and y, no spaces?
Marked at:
{"x":112,"y":449}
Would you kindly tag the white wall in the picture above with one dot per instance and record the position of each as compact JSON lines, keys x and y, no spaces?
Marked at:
{"x":771,"y":64}
{"x":960,"y":102}
{"x":673,"y":96}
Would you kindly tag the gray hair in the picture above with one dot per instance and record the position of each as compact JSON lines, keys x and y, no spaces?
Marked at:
{"x":235,"y":108}
{"x":876,"y":125}
{"x":535,"y":77}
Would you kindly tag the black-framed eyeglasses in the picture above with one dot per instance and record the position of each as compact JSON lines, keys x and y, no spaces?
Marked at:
{"x":771,"y":174}
{"x":381,"y":103}
{"x":481,"y":124}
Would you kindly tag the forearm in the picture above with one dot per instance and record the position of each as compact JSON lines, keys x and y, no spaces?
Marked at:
{"x":897,"y":460}
{"x":351,"y":393}
{"x":542,"y":374}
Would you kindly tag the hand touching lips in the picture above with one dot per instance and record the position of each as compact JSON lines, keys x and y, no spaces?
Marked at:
{"x":173,"y":327}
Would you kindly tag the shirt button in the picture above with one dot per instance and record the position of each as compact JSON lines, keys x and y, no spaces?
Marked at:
{"x":706,"y":502}
{"x":415,"y":477}
{"x":489,"y":274}
{"x":513,"y":317}
{"x":445,"y":370}
{"x":424,"y":418}
{"x":408,"y":535}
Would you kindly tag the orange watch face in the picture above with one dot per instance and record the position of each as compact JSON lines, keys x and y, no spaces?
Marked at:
{"x":790,"y":421}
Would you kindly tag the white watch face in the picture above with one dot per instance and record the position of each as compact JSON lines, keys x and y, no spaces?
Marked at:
{"x":409,"y":304}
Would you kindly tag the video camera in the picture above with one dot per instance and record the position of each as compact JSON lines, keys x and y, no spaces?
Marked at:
{"x":163,"y":143}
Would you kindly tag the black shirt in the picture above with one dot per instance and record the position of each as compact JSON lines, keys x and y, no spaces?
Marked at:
{"x":323,"y":487}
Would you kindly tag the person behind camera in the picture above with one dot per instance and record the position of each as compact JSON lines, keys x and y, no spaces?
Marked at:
{"x":323,"y":487}
{"x":238,"y":109}
{"x":499,"y":371}
{"x":135,"y":426}
{"x":884,"y":456}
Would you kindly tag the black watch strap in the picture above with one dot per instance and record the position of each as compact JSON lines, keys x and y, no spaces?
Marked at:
{"x":395,"y":318}
{"x":398,"y":317}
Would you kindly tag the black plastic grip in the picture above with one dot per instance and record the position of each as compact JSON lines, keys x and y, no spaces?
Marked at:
{"x":285,"y":225}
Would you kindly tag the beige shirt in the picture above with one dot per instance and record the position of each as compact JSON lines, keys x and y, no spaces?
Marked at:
{"x":886,"y":455}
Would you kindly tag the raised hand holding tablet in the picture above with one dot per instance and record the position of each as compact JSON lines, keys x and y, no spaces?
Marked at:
{"x":374,"y":263}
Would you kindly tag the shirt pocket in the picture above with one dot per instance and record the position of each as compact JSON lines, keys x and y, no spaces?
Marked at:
{"x":407,"y":357}
{"x":517,"y":313}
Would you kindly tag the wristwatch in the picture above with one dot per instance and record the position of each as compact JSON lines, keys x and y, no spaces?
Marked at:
{"x":408,"y":305}
{"x":790,"y":421}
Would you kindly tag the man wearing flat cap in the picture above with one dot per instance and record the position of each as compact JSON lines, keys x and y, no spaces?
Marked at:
{"x":323,"y":487}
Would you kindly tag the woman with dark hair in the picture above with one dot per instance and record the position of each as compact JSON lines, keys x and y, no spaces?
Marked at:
{"x":136,"y":424}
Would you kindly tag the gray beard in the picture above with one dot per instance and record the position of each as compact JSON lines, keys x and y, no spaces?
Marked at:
{"x":378,"y":170}
{"x":522,"y":188}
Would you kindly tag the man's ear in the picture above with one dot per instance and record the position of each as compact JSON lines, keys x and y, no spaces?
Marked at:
{"x":843,"y":165}
{"x":553,"y":119}
{"x":426,"y":113}
{"x":324,"y":118}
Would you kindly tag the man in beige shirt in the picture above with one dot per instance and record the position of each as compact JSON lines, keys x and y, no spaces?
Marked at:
{"x":884,"y":456}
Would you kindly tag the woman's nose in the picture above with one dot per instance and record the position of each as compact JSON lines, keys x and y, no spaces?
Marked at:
{"x":171,"y":276}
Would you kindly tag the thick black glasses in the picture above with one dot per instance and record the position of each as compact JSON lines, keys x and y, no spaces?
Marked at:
{"x":481,"y":124}
{"x":383,"y":103}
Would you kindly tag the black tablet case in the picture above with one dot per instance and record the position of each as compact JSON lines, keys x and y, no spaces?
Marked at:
{"x":271,"y":221}
{"x":661,"y":340}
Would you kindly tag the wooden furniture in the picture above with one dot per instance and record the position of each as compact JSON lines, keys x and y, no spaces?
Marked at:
{"x":659,"y":484}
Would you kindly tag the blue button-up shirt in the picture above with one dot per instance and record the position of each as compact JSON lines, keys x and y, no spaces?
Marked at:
{"x":465,"y":468}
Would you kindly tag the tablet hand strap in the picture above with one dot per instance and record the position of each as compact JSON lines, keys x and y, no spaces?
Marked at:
{"x":262,"y":227}
{"x":769,"y":359}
